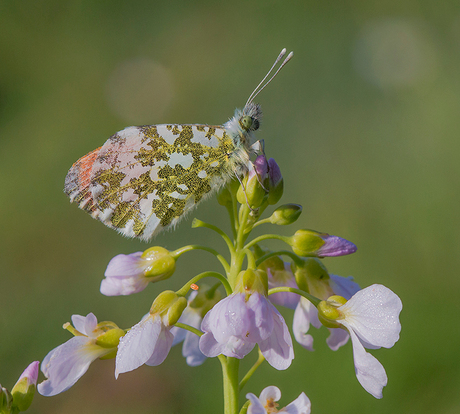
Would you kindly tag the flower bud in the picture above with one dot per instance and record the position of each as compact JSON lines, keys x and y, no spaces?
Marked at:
{"x":250,"y":281}
{"x":276,"y":184}
{"x":254,"y":186}
{"x":312,"y":276}
{"x":328,"y":312}
{"x":24,"y":390}
{"x":205,"y":299}
{"x":286,"y":214}
{"x":313,"y":243}
{"x":169,"y":305}
{"x":159,"y":264}
{"x":6,"y":400}
{"x":110,"y":335}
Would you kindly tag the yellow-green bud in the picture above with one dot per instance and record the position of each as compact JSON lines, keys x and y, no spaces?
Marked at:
{"x":328,"y":313}
{"x":160,"y":263}
{"x":24,"y":390}
{"x":286,"y":214}
{"x":205,"y":299}
{"x":307,"y":242}
{"x":175,"y":310}
{"x":6,"y":401}
{"x":254,"y":187}
{"x":250,"y":281}
{"x":312,"y":276}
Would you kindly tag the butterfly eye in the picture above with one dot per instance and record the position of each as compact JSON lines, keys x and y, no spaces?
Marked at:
{"x":255,"y":124}
{"x":246,"y":122}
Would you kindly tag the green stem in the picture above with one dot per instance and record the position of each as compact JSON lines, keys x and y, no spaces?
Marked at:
{"x":266,"y":237}
{"x":252,"y":370}
{"x":198,"y":223}
{"x":244,"y":214}
{"x":191,"y":247}
{"x":313,"y":299}
{"x":189,"y":328}
{"x":230,"y":376}
{"x":296,"y":259}
{"x":251,"y":259}
{"x":184,"y":289}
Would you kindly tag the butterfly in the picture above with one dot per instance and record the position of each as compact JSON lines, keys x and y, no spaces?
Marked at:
{"x":145,"y":179}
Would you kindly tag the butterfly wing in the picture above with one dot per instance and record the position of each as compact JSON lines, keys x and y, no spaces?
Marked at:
{"x":145,"y":179}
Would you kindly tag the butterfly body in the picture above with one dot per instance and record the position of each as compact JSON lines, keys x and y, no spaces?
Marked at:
{"x":146,"y":179}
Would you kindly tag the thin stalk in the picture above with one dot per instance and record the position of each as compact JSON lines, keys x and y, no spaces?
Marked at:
{"x":184,"y":289}
{"x":230,"y":376}
{"x":191,"y":247}
{"x":252,"y":370}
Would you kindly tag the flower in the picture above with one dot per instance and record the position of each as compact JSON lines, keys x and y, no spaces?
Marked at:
{"x":131,"y":273}
{"x":149,"y":341}
{"x":199,"y":303}
{"x":266,"y":403}
{"x":246,"y":318}
{"x":24,"y":390}
{"x":64,"y":365}
{"x":371,"y":317}
{"x":313,"y":243}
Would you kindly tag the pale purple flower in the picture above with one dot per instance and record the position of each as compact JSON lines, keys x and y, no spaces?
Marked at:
{"x":306,"y":314}
{"x":237,"y":323}
{"x":335,"y":246}
{"x":64,"y":365}
{"x":283,"y":278}
{"x":266,"y":403}
{"x":147,"y":342}
{"x":191,"y":348}
{"x":31,"y":373}
{"x":371,"y":317}
{"x":131,"y":273}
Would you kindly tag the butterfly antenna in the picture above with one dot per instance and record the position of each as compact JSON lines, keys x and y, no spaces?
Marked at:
{"x":259,"y":88}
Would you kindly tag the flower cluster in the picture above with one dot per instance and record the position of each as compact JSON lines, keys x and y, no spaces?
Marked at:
{"x":229,"y":326}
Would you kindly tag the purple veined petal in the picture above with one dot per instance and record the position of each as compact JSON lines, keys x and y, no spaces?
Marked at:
{"x":336,"y":246}
{"x":343,"y":286}
{"x":209,"y":346}
{"x":338,"y":337}
{"x":162,"y":347}
{"x":64,"y":365}
{"x":369,"y":371}
{"x":191,"y":349}
{"x":261,"y":309}
{"x":301,"y":325}
{"x":270,"y":393}
{"x":277,"y":349}
{"x":373,"y":314}
{"x":229,"y":317}
{"x":301,"y":405}
{"x":123,"y":285}
{"x":125,"y":265}
{"x":286,"y":299}
{"x":31,"y":373}
{"x":256,"y":407}
{"x":138,"y":345}
{"x":80,"y":323}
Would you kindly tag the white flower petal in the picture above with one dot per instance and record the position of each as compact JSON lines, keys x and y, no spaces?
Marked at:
{"x":64,"y":365}
{"x":270,"y":393}
{"x":369,"y":371}
{"x":138,"y":345}
{"x":338,"y":337}
{"x":260,"y":311}
{"x":162,"y":347}
{"x":123,"y":285}
{"x":277,"y":348}
{"x":256,"y":406}
{"x":125,"y":265}
{"x":84,"y":324}
{"x":209,"y":346}
{"x":373,"y":313}
{"x":301,"y":405}
{"x":301,"y":324}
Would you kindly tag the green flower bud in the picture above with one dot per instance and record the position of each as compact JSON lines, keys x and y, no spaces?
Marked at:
{"x":160,"y":264}
{"x":169,"y":305}
{"x":205,"y":300}
{"x":276,"y":183}
{"x":250,"y":281}
{"x":312,"y":276}
{"x":255,"y":185}
{"x":175,"y":310}
{"x":286,"y":214}
{"x":307,"y":242}
{"x":328,"y":312}
{"x":6,"y":400}
{"x":24,"y":390}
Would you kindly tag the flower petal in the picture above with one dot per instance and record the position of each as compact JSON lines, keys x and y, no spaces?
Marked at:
{"x":301,"y":325}
{"x":256,"y":406}
{"x":344,"y":286}
{"x":123,"y":285}
{"x":260,"y":311}
{"x":138,"y":345}
{"x":277,"y":348}
{"x":270,"y":393}
{"x":338,"y":337}
{"x":369,"y":371}
{"x":162,"y":347}
{"x":64,"y":365}
{"x":301,"y":405}
{"x":373,"y":313}
{"x":125,"y":265}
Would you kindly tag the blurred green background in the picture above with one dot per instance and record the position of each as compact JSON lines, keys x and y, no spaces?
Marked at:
{"x":364,"y":123}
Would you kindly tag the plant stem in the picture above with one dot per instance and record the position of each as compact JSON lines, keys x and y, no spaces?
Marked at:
{"x":231,"y":390}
